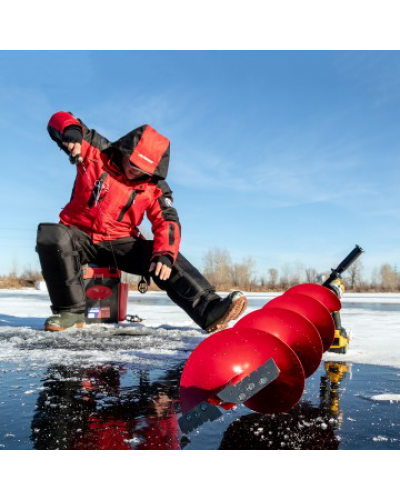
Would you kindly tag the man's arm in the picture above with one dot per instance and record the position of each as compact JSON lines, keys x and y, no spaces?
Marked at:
{"x":166,"y":230}
{"x":65,"y":130}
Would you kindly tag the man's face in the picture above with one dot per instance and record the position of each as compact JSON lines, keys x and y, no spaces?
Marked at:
{"x":131,"y":172}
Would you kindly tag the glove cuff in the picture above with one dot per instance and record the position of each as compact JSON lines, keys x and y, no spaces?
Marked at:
{"x":164,"y":259}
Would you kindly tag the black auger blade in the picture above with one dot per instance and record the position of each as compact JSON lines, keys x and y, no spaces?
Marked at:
{"x":237,"y":394}
{"x":250,"y":385}
{"x":197,"y":416}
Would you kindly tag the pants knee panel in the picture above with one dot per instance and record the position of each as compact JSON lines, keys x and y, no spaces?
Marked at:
{"x":61,"y":267}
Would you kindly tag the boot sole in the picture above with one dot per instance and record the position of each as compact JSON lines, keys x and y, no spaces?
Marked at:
{"x":49,"y":328}
{"x":238,"y":308}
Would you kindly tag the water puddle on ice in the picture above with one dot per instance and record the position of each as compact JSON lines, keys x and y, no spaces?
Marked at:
{"x":122,"y":405}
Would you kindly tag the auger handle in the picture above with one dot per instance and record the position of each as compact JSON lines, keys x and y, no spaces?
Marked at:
{"x":344,"y":265}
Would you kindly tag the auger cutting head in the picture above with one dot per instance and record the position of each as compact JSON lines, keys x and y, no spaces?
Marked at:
{"x":228,"y":356}
{"x":263,"y":361}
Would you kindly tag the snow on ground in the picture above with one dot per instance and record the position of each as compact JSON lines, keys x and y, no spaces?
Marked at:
{"x":167,"y":334}
{"x":381,"y":298}
{"x":375,"y":336}
{"x":386,"y":397}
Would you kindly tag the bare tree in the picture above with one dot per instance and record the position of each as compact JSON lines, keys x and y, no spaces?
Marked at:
{"x":217,"y":267}
{"x":242,"y":274}
{"x":272,"y":277}
{"x":284,"y":276}
{"x":375,"y":278}
{"x":354,"y":274}
{"x":312,"y":275}
{"x":263,"y":281}
{"x":291,"y":274}
{"x":31,"y":275}
{"x":389,"y":277}
{"x":297,"y":273}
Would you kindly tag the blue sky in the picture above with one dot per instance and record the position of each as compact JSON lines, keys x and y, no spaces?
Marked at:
{"x":284,"y":156}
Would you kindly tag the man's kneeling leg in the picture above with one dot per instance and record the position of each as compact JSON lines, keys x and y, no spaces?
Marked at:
{"x":61,"y":268}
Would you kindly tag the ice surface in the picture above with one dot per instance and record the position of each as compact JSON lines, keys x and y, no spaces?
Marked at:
{"x":167,"y":334}
{"x":386,"y":397}
{"x":375,"y":335}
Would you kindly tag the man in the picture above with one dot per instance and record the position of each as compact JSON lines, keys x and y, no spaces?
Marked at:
{"x":116,"y":184}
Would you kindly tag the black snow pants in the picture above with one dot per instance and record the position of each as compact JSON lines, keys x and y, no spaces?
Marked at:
{"x":64,"y":249}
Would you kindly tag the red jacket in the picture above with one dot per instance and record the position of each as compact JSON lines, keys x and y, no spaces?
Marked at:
{"x":104,"y":203}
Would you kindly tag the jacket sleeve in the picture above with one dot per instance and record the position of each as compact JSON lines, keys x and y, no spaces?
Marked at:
{"x":62,"y":120}
{"x":165,"y":224}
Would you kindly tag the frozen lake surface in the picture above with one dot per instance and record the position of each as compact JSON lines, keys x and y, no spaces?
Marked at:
{"x":90,"y":390}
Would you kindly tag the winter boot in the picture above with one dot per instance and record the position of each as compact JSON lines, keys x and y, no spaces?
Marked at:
{"x":220,"y":312}
{"x":64,"y":320}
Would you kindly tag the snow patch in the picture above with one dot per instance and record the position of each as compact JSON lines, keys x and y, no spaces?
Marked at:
{"x":386,"y":397}
{"x":380,"y":438}
{"x":41,"y":285}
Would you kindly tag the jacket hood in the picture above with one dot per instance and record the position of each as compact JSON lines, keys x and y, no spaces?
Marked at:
{"x":147,"y":150}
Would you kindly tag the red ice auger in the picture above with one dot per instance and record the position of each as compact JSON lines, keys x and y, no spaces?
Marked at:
{"x":263,"y":361}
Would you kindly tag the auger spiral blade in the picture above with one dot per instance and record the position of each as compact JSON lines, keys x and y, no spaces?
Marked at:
{"x":293,"y":329}
{"x":311,"y":309}
{"x":328,"y":298}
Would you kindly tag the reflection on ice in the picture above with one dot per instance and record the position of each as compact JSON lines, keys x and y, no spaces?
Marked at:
{"x":303,"y":428}
{"x":118,"y":406}
{"x":98,"y":408}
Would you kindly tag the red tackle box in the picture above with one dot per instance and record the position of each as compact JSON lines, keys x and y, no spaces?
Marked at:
{"x":106,"y":294}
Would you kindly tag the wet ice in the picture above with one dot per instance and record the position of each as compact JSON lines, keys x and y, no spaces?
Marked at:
{"x":88,"y":389}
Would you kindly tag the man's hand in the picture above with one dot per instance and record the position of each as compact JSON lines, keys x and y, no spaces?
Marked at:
{"x":161,"y":268}
{"x":75,"y":149}
{"x":72,"y":140}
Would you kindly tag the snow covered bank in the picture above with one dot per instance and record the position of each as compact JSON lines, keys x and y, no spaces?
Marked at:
{"x":167,"y":335}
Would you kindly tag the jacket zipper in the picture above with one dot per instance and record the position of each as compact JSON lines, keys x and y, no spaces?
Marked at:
{"x":73,"y":189}
{"x":127,"y":206}
{"x":96,"y":191}
{"x":171,"y":235}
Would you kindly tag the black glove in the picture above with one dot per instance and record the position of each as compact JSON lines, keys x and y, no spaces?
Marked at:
{"x":164,"y":259}
{"x":73,"y":133}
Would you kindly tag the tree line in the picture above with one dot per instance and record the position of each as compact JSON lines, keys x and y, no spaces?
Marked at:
{"x":225,"y":274}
